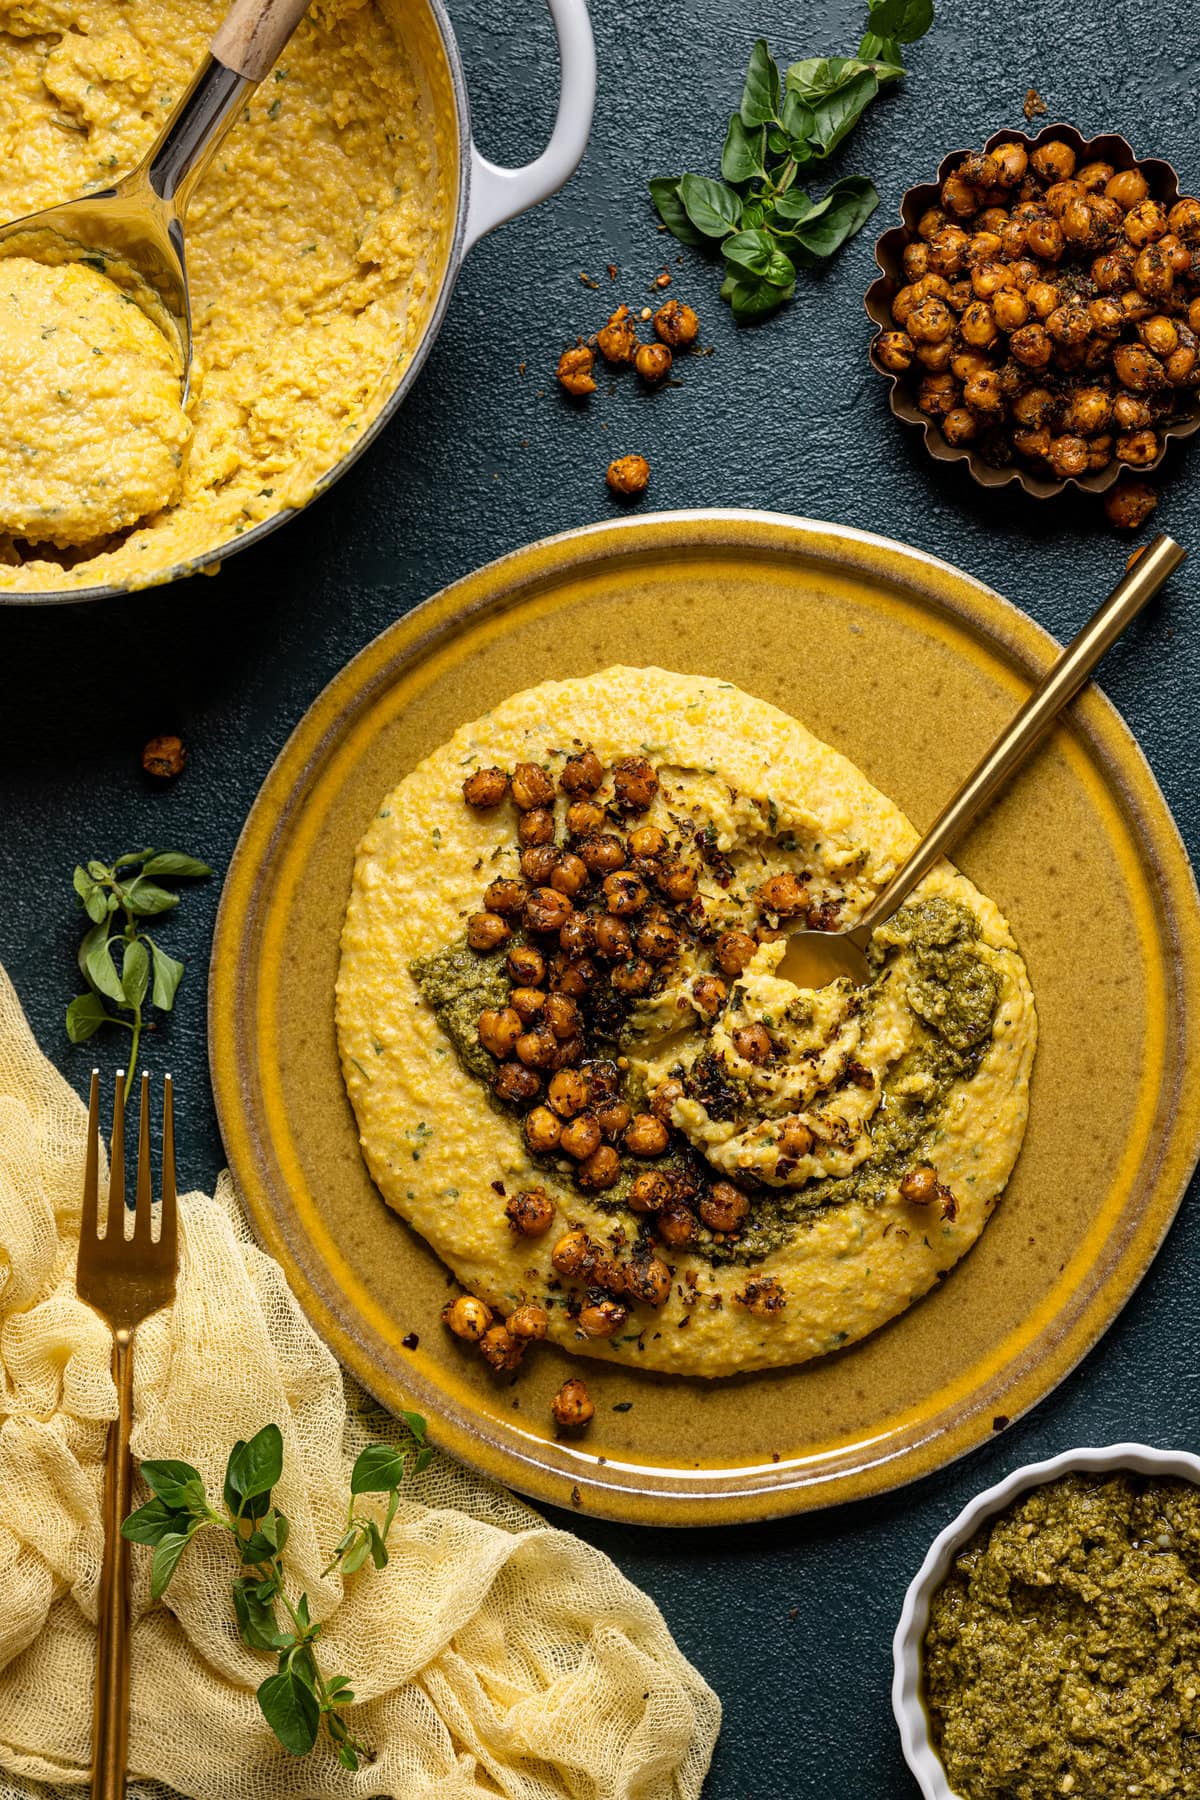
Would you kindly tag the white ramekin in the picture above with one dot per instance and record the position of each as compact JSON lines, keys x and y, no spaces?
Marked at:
{"x":907,"y":1704}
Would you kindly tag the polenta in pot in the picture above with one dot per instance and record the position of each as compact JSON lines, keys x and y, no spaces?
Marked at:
{"x":317,"y":240}
{"x":578,"y":1073}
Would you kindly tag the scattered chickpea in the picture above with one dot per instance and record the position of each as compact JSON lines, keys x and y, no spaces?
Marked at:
{"x":709,"y":994}
{"x":485,"y":788}
{"x":784,"y":895}
{"x":530,"y":1213}
{"x":648,"y":1280}
{"x":569,"y":875}
{"x":895,"y":351}
{"x":613,"y":1119}
{"x":585,"y":817}
{"x":516,"y":1084}
{"x":569,"y":1093}
{"x":499,"y":1030}
{"x":646,"y":1136}
{"x":724,"y":1207}
{"x":575,"y":371}
{"x":675,"y":324}
{"x":734,"y":950}
{"x":546,"y":910}
{"x":1138,"y":448}
{"x":618,"y":340}
{"x":581,"y":1137}
{"x":675,"y":1225}
{"x":602,"y":854}
{"x":753,"y":1043}
{"x":572,"y":1406}
{"x":920,"y":1185}
{"x":500,"y":1349}
{"x":542,"y":1130}
{"x":602,"y":1318}
{"x":538,"y":863}
{"x":628,"y":475}
{"x":535,"y":826}
{"x":636,"y":783}
{"x":651,"y":1191}
{"x":633,"y":976}
{"x":1129,"y":504}
{"x":528,"y":1323}
{"x":653,"y":363}
{"x":582,"y":773}
{"x":601,"y":1170}
{"x":468,"y":1317}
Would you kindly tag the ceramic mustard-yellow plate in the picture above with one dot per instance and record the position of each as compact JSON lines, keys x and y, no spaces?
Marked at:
{"x":910,"y":668}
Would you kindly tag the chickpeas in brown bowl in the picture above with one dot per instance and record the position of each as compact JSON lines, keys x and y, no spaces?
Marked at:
{"x":1039,"y":310}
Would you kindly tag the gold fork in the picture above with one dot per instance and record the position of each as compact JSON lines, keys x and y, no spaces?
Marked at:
{"x":124,"y":1280}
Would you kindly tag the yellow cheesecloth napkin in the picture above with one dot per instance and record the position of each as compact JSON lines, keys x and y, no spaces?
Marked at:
{"x":492,"y":1655}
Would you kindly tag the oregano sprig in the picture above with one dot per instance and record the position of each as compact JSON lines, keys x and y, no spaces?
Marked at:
{"x":299,"y":1698}
{"x":121,"y":962}
{"x":765,"y":226}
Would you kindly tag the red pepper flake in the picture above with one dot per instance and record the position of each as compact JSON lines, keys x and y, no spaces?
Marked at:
{"x":410,"y":1340}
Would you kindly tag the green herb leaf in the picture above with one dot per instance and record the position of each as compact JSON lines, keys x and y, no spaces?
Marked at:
{"x":744,"y":154}
{"x":845,"y":209}
{"x":177,"y":1484}
{"x":752,"y":296}
{"x":883,"y":55}
{"x":798,"y":122}
{"x":757,"y":253}
{"x":379,"y":1553}
{"x":95,"y":960}
{"x":254,"y":1468}
{"x":839,"y":112}
{"x":291,"y":1710}
{"x":95,"y":900}
{"x":905,"y":20}
{"x":356,"y":1556}
{"x":85,"y":1016}
{"x":144,"y":899}
{"x":171,"y":1547}
{"x":167,"y":975}
{"x":377,"y":1470}
{"x":416,"y":1424}
{"x":793,"y":205}
{"x":760,"y":94}
{"x":257,"y":1624}
{"x":135,"y":973}
{"x":151,"y":1523}
{"x":171,"y":862}
{"x":712,"y":207}
{"x":664,"y":191}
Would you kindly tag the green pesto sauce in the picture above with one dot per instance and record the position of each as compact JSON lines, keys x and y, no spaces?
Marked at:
{"x":953,"y":995}
{"x":459,"y":984}
{"x":1063,"y":1650}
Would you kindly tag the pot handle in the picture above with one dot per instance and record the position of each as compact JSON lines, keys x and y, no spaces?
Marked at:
{"x":498,"y":194}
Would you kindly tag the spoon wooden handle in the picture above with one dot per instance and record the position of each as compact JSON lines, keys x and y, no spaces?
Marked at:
{"x":1060,"y":685}
{"x":252,"y":34}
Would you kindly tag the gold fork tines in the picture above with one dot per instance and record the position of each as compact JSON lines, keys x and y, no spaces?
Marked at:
{"x":124,"y":1279}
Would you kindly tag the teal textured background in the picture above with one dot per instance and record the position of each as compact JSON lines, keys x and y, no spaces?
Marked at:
{"x":791,"y":1622}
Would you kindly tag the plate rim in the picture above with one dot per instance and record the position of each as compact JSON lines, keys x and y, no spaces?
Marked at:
{"x":556,"y":1472}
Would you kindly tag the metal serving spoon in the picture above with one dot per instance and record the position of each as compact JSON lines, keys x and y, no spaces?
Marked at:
{"x":134,"y":230}
{"x":814,"y":958}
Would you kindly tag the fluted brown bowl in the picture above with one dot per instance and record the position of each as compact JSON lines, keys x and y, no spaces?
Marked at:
{"x":889,"y":249}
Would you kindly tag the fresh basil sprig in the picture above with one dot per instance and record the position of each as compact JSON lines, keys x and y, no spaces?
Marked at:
{"x":298,"y":1698}
{"x":765,"y":226}
{"x":116,"y":897}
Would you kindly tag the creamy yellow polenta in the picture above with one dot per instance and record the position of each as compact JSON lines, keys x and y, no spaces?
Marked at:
{"x":92,"y":430}
{"x":316,"y":242}
{"x":928,"y":1068}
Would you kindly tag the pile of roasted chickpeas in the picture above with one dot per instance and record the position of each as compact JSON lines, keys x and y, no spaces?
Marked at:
{"x":1051,"y":311}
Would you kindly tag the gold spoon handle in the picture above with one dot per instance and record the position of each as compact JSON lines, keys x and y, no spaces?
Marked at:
{"x":1060,"y":685}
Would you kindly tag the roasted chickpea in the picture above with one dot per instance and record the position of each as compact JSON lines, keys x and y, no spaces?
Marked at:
{"x":602,"y":854}
{"x":602,"y":1318}
{"x":569,"y":875}
{"x":613,"y":940}
{"x":646,"y":1136}
{"x":1107,"y":220}
{"x":499,"y":1030}
{"x":676,"y":324}
{"x":978,"y":325}
{"x":1031,"y":346}
{"x":528,"y":1322}
{"x":536,"y":826}
{"x":1130,"y":411}
{"x":581,"y":1137}
{"x":613,"y":1118}
{"x":468,"y":1317}
{"x":617,"y":341}
{"x":546,"y":910}
{"x":1145,"y":223}
{"x":1129,"y":504}
{"x":982,"y":393}
{"x":1153,"y":274}
{"x":575,"y":371}
{"x":569,"y":1093}
{"x":1100,"y":451}
{"x":487,"y":931}
{"x":531,"y":786}
{"x":753,"y":1043}
{"x":1011,"y":162}
{"x":572,"y":1406}
{"x":624,"y":893}
{"x":959,"y":426}
{"x":1177,"y":253}
{"x":1062,"y":194}
{"x":651,"y":1191}
{"x":1094,"y":177}
{"x":516,"y":1085}
{"x":526,"y":965}
{"x":1068,"y":456}
{"x":585,"y":818}
{"x":576,"y":934}
{"x":633,"y":976}
{"x":675,"y":1225}
{"x":582,"y":773}
{"x":904,"y":301}
{"x":527,"y":1002}
{"x":1033,"y":442}
{"x":946,"y":255}
{"x":1088,"y":410}
{"x":1159,"y":333}
{"x":500,"y":1349}
{"x":1044,"y":297}
{"x":1184,"y":220}
{"x":979,"y":168}
{"x":987,"y":279}
{"x":960,"y":296}
{"x":958,"y":197}
{"x":1012,"y":240}
{"x":1137,"y":368}
{"x":536,"y":1047}
{"x":966,"y":363}
{"x":795,"y":1139}
{"x":1113,"y":272}
{"x":486,"y":788}
{"x":1034,"y":406}
{"x":915,"y":260}
{"x":1137,"y":306}
{"x":1079,"y":223}
{"x":573,"y":1254}
{"x":1069,"y":323}
{"x":1137,"y":448}
{"x":1044,"y":237}
{"x":734,"y":951}
{"x":538,"y":863}
{"x":709,"y":994}
{"x":1053,"y":161}
{"x":930,"y":223}
{"x":784,"y":895}
{"x":919,"y":1187}
{"x":542,"y":1130}
{"x":1128,"y":187}
{"x":1010,"y":308}
{"x":628,"y":475}
{"x":562,"y":1016}
{"x":657,"y":940}
{"x":648,"y":1280}
{"x":601,"y":1170}
{"x":724,"y":1207}
{"x":530,"y":1213}
{"x":676,"y":881}
{"x":1181,"y":365}
{"x":1105,"y":316}
{"x":662,"y":1104}
{"x":636,"y":783}
{"x":653,"y":363}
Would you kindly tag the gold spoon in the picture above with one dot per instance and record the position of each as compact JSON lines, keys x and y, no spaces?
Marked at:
{"x":133,"y":231}
{"x":814,"y":958}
